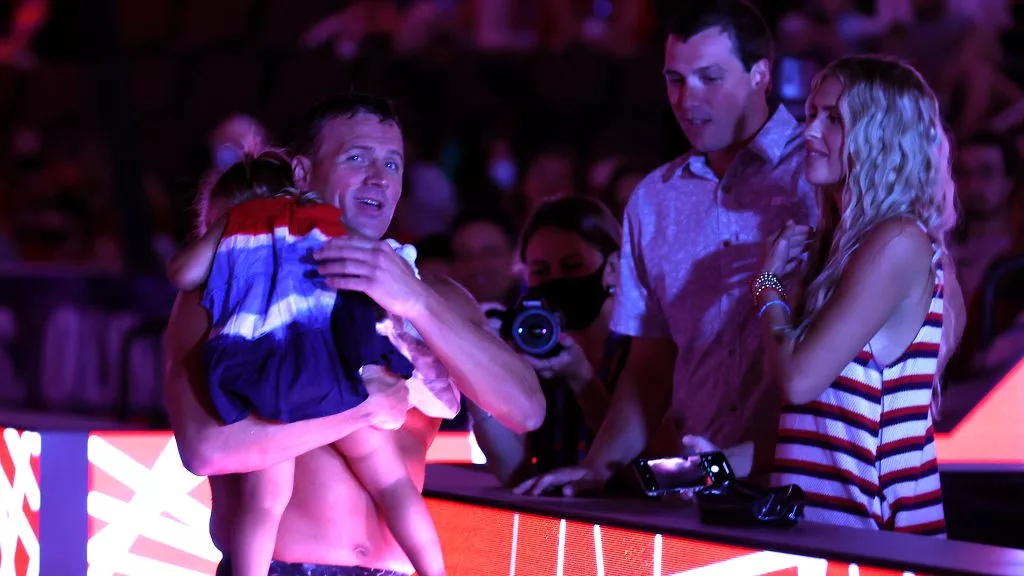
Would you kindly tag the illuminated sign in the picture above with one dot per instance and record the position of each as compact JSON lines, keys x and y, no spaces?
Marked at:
{"x":148,"y":515}
{"x":19,"y":501}
{"x":992,"y":432}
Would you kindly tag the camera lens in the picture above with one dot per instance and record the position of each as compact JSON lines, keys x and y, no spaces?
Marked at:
{"x":535,"y":331}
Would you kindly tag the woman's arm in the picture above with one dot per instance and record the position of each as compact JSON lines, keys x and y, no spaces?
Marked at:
{"x":878,"y":278}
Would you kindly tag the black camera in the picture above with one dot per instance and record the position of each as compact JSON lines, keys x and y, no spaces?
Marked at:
{"x":533,"y":328}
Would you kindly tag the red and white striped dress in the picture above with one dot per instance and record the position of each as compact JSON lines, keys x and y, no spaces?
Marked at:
{"x":864,"y":451}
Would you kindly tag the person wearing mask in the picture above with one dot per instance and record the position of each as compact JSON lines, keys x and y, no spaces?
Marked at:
{"x":693,"y":231}
{"x":570,"y":250}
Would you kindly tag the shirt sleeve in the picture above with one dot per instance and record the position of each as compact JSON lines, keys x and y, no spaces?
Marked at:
{"x":637,"y":310}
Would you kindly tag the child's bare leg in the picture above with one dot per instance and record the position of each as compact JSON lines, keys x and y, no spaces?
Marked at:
{"x":265,"y":493}
{"x":374,"y":459}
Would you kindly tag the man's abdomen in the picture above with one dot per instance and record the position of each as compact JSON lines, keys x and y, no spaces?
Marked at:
{"x":332,"y":520}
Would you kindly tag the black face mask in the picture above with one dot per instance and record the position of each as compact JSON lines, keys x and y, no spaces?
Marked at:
{"x":579,"y":300}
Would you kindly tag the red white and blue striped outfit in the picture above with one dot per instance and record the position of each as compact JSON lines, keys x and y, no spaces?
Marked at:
{"x":284,"y":345}
{"x":864,"y":451}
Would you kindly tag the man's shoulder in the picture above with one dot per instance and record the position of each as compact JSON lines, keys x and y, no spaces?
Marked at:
{"x":656,"y":180}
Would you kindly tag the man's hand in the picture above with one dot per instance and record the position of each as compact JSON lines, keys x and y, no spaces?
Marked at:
{"x":373,"y":268}
{"x":571,"y":481}
{"x":389,"y":397}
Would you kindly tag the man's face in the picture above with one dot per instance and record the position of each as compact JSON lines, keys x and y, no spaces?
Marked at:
{"x":358,"y":168}
{"x":982,"y":183}
{"x":709,"y":90}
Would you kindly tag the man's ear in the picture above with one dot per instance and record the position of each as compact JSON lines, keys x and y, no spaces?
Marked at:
{"x":301,"y":172}
{"x":761,"y":75}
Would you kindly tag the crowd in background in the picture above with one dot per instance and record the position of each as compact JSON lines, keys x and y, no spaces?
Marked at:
{"x":506,"y":104}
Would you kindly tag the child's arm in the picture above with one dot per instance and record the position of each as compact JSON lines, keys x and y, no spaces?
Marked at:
{"x":374,"y":459}
{"x":189,"y":269}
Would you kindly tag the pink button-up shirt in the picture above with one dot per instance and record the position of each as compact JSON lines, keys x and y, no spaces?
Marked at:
{"x":692,"y":242}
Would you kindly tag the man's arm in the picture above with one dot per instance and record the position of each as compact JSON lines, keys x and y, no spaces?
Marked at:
{"x":486,"y":369}
{"x":207,"y":446}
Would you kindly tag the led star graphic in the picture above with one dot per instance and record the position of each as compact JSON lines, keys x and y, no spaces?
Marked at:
{"x":19,"y":499}
{"x":146,"y":519}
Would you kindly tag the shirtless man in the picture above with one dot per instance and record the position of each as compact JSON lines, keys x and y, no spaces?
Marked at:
{"x":350,"y":152}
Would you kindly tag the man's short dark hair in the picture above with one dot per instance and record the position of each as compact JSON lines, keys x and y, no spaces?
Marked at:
{"x":738,"y":19}
{"x":345,"y":106}
{"x":1007,"y":149}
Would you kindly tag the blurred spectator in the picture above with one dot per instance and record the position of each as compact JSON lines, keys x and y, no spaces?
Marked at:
{"x":986,"y":170}
{"x":347,"y":29}
{"x":1005,"y":351}
{"x":161,"y":209}
{"x":550,"y":175}
{"x":233,"y":137}
{"x":985,"y":166}
{"x":483,"y":259}
{"x":825,"y":30}
{"x":621,"y":185}
{"x":428,"y":206}
{"x":502,"y":170}
{"x":960,"y":57}
{"x":26,"y":18}
{"x":501,"y":25}
{"x":434,"y":255}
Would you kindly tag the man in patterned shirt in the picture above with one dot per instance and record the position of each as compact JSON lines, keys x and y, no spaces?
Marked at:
{"x":693,"y":237}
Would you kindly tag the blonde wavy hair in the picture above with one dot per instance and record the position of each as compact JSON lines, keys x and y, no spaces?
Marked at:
{"x":896,"y":163}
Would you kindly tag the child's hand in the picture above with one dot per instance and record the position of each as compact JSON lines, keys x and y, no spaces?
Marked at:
{"x":389,"y":397}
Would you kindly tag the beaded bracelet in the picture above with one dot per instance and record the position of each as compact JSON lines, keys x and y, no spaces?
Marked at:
{"x":766,"y":281}
{"x":771,"y":303}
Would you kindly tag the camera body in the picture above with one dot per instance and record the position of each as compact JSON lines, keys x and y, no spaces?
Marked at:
{"x":532,"y":327}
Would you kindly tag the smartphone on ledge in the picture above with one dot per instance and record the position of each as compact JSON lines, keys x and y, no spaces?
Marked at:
{"x":662,"y":476}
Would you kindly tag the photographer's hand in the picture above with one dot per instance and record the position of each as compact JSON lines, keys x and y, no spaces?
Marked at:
{"x":571,"y":364}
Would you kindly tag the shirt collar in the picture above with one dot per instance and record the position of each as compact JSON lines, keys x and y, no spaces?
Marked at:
{"x":771,"y":143}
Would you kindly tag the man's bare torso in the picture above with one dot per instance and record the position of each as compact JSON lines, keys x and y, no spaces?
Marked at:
{"x":330,"y":518}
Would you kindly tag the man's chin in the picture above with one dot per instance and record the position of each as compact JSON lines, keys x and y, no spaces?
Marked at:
{"x":360,"y":228}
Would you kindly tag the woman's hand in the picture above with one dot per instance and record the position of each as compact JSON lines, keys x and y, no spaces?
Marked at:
{"x":787,"y":248}
{"x":570,"y":364}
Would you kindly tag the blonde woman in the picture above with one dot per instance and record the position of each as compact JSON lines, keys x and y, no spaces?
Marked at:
{"x":859,"y":360}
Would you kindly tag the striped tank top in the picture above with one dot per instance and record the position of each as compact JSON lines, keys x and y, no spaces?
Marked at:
{"x":864,"y":451}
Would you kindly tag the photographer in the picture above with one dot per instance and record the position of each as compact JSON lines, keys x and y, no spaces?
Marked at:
{"x":570,"y":248}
